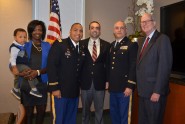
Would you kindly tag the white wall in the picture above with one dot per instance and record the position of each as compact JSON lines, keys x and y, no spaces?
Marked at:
{"x":107,"y":12}
{"x":71,"y":11}
{"x":14,"y":14}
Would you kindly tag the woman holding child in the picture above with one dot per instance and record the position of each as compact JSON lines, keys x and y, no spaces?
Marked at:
{"x":37,"y":51}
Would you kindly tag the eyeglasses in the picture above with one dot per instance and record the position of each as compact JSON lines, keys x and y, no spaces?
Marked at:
{"x":121,"y":28}
{"x":146,"y":22}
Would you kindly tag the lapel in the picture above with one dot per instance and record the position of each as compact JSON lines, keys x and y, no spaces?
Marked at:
{"x":101,"y":50}
{"x":150,"y":44}
{"x":123,"y":42}
{"x":113,"y":45}
{"x":70,"y":45}
{"x":86,"y":43}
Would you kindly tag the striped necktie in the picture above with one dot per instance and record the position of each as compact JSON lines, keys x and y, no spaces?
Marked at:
{"x":94,"y":52}
{"x":144,"y":47}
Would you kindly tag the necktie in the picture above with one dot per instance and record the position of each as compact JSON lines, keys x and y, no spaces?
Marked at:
{"x":94,"y":52}
{"x":76,"y":49}
{"x":116,"y":44}
{"x":144,"y":47}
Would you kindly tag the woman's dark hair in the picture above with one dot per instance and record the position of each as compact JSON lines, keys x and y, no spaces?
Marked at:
{"x":31,"y":26}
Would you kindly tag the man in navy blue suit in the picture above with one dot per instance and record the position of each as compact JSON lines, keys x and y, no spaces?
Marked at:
{"x":93,"y":77}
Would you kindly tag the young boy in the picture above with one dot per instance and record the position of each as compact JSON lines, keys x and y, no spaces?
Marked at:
{"x":19,"y":61}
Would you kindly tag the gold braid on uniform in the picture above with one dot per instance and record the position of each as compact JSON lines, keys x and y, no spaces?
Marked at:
{"x":130,"y":110}
{"x":132,"y":82}
{"x":53,"y":83}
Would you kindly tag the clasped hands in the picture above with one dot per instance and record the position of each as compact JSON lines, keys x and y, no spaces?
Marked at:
{"x":29,"y":74}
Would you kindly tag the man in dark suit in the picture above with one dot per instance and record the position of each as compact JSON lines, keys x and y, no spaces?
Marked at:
{"x":122,"y":73}
{"x":154,"y":62}
{"x":64,"y":62}
{"x":93,"y":77}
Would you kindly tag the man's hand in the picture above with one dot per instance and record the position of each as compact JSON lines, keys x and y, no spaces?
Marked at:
{"x":155,"y":97}
{"x":128,"y":92}
{"x":56,"y":93}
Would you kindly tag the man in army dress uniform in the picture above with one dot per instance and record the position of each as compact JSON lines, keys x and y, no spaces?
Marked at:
{"x":64,"y":62}
{"x":122,"y":73}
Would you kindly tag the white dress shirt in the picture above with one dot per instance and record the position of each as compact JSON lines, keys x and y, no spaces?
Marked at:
{"x":90,"y":46}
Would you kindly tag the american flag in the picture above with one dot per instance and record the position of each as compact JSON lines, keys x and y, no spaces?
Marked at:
{"x":54,"y":28}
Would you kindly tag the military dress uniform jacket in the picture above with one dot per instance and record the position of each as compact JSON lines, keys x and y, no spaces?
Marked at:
{"x":122,"y":71}
{"x":95,"y":72}
{"x":64,"y":65}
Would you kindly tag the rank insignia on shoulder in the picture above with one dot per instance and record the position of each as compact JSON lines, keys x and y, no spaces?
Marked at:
{"x":124,"y":47}
{"x":59,"y":40}
{"x":134,"y":40}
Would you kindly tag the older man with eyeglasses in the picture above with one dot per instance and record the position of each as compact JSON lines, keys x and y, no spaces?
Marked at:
{"x":154,"y":62}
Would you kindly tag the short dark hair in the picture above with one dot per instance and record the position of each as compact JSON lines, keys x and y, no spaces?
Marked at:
{"x":31,"y":26}
{"x":75,"y":24}
{"x":18,"y":30}
{"x":94,"y":22}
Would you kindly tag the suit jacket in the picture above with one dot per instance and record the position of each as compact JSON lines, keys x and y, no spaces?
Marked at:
{"x":154,"y":66}
{"x":64,"y":64}
{"x":94,"y":71}
{"x":122,"y":66}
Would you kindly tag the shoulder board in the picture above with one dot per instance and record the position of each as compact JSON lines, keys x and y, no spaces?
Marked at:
{"x":134,"y":39}
{"x":59,"y":40}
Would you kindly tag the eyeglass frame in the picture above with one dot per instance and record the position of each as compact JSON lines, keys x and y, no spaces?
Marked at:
{"x":146,"y":22}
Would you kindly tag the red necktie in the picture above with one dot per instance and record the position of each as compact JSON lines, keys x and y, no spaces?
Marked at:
{"x":144,"y":47}
{"x":94,"y":52}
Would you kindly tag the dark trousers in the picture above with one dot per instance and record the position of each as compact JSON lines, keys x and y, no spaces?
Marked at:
{"x":151,"y":112}
{"x":89,"y":96}
{"x":40,"y":113}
